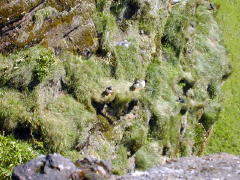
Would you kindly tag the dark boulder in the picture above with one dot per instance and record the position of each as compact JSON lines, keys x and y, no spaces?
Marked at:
{"x":49,"y":167}
{"x":56,"y":167}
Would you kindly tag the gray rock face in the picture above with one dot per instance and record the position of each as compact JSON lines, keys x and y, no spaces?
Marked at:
{"x":56,"y":167}
{"x":216,"y":166}
{"x":48,"y":167}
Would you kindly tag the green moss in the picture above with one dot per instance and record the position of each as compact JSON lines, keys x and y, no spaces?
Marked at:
{"x":148,"y":156}
{"x":100,"y":4}
{"x":64,"y":121}
{"x":147,"y":22}
{"x":128,"y":65}
{"x":174,"y":32}
{"x":199,"y":134}
{"x":161,"y":78}
{"x":41,"y":15}
{"x":135,"y":137}
{"x":13,"y":111}
{"x":120,"y":163}
{"x":210,"y":115}
{"x":83,"y":78}
{"x":73,"y":155}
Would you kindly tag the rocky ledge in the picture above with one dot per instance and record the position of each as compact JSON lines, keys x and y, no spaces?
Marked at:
{"x":54,"y":166}
{"x":213,"y":167}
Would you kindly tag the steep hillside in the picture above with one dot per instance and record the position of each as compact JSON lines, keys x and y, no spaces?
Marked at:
{"x":226,"y":132}
{"x":58,"y":57}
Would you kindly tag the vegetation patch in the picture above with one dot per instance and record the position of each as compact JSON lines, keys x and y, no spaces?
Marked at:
{"x":14,"y":152}
{"x":225,"y":137}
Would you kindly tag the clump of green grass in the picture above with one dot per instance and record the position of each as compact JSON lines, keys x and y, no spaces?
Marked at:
{"x":148,"y":155}
{"x":65,"y":122}
{"x":13,"y":110}
{"x":83,"y":78}
{"x":14,"y":152}
{"x":135,"y":137}
{"x":26,"y":68}
{"x":120,"y":163}
{"x":128,"y":65}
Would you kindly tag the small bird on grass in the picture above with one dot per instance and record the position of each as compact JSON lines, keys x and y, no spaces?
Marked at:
{"x":108,"y":91}
{"x":137,"y":85}
{"x":180,"y":99}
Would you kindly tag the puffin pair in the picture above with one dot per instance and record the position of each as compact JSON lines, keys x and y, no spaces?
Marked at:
{"x":137,"y":85}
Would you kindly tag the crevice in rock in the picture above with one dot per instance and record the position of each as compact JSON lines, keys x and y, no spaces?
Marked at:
{"x":16,"y":23}
{"x":98,"y":106}
{"x":182,"y":128}
{"x":25,"y":132}
{"x":101,"y":52}
{"x":70,"y":31}
{"x":225,"y":76}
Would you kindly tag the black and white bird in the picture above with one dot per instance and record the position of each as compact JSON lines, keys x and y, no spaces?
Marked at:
{"x":173,"y":2}
{"x":108,"y":91}
{"x":180,"y":99}
{"x":137,"y":85}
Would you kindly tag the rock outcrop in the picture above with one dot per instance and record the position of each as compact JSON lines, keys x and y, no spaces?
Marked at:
{"x":216,"y":166}
{"x":55,"y":166}
{"x":57,"y":24}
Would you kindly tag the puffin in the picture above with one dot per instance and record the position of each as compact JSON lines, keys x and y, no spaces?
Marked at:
{"x":137,"y":85}
{"x":180,"y":99}
{"x":108,"y":91}
{"x":173,"y":2}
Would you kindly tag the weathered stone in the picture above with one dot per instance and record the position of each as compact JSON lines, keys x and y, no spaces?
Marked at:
{"x":60,"y":25}
{"x":50,"y":167}
{"x":216,"y":166}
{"x":55,"y":166}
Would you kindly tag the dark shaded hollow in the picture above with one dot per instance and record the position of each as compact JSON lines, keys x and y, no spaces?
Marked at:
{"x":101,"y":52}
{"x":22,"y":132}
{"x":131,"y":10}
{"x":226,"y":76}
{"x":186,"y":86}
{"x":152,"y":124}
{"x":181,"y":129}
{"x":211,"y":91}
{"x":165,"y":40}
{"x":183,"y":110}
{"x":205,"y":121}
{"x":97,"y":106}
{"x":165,"y":151}
{"x":131,"y":105}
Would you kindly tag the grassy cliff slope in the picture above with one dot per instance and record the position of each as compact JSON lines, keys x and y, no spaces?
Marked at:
{"x":55,"y":64}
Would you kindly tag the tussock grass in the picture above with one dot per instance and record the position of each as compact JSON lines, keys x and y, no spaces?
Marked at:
{"x":13,"y":152}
